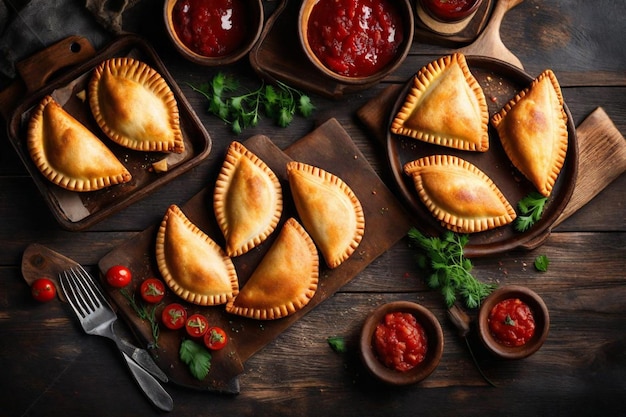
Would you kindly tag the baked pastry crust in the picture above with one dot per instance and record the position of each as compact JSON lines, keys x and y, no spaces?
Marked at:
{"x":134,"y":106}
{"x":192,"y":264}
{"x":284,"y":281}
{"x":533,"y":131}
{"x":445,"y":106}
{"x":247,"y":200}
{"x":329,"y":211}
{"x":68,"y":154}
{"x":458,"y":194}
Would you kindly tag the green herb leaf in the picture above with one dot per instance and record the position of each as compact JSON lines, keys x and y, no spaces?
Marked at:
{"x":509,"y":321}
{"x":449,"y":271}
{"x":337,"y":343}
{"x":541,"y":263}
{"x":145,"y":313}
{"x":242,"y":110}
{"x":531,"y":209}
{"x":196,"y":357}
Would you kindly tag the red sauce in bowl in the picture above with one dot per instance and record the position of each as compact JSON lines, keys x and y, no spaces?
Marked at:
{"x":355,"y":38}
{"x":450,"y":10}
{"x":511,"y":322}
{"x":211,"y":28}
{"x":400,"y":341}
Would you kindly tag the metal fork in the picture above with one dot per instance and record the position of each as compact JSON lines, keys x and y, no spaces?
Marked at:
{"x":97,"y":318}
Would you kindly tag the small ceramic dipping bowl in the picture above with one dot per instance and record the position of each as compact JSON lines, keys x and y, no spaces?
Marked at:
{"x":234,"y":37}
{"x":369,"y":68}
{"x":434,"y":343}
{"x":539,"y":312}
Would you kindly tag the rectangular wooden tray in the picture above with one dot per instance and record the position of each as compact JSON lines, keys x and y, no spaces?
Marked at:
{"x":79,"y":210}
{"x":328,"y":147}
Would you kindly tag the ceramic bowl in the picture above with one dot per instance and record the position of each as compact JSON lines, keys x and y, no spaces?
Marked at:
{"x":439,"y":10}
{"x":254,"y":8}
{"x":540,"y":314}
{"x":406,"y":12}
{"x":434,"y":335}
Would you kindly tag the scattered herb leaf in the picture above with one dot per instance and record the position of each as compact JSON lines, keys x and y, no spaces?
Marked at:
{"x":196,"y":357}
{"x":541,"y":263}
{"x":509,"y":321}
{"x":242,"y":110}
{"x":450,"y":271}
{"x":531,"y":208}
{"x":145,"y":313}
{"x":337,"y":343}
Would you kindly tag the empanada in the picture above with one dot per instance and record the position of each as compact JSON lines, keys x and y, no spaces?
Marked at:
{"x":134,"y":106}
{"x":445,"y":106}
{"x":329,"y":211}
{"x":192,"y":264}
{"x":462,"y":197}
{"x":68,"y":154}
{"x":247,"y":200}
{"x":284,"y":281}
{"x":533,"y":131}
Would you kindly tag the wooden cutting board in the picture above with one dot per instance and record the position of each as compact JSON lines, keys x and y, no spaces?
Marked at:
{"x":328,"y":147}
{"x":601,"y":148}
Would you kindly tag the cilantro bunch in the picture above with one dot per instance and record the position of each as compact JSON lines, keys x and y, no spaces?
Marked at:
{"x":243,"y":109}
{"x":449,"y":270}
{"x":531,"y":208}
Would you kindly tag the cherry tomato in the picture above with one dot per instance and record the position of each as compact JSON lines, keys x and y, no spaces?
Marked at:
{"x":152,"y":290}
{"x":215,"y":338}
{"x":197,"y":325}
{"x":43,"y":290}
{"x":174,"y":316}
{"x":118,"y":276}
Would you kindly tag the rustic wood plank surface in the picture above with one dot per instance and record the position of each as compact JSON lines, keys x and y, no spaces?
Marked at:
{"x":50,"y":367}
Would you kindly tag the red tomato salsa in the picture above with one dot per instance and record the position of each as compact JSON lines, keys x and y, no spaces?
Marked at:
{"x":210,"y":28}
{"x":355,"y":38}
{"x":400,"y":341}
{"x":450,"y":10}
{"x":511,"y":322}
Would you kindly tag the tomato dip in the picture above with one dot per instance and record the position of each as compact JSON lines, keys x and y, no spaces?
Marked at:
{"x":400,"y":341}
{"x":355,"y":38}
{"x":511,"y":322}
{"x":210,"y":28}
{"x":450,"y":10}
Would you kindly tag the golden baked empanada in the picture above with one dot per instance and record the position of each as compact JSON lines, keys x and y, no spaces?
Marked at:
{"x":445,"y":106}
{"x":329,"y":211}
{"x":68,"y":154}
{"x":191,"y":263}
{"x":134,"y":106}
{"x":533,"y":131}
{"x":247,"y":200}
{"x":284,"y":281}
{"x":462,"y":197}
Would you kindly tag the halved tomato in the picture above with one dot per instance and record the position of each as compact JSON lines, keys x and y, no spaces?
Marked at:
{"x":197,"y":325}
{"x":215,"y":338}
{"x":152,"y":290}
{"x":174,"y":316}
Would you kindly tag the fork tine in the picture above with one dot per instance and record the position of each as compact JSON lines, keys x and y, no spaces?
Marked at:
{"x":69,"y":288}
{"x":92,"y":286}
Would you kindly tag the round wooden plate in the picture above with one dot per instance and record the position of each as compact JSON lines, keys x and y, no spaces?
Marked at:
{"x":500,"y":82}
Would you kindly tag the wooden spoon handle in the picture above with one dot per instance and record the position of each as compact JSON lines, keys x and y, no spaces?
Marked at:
{"x":489,"y":42}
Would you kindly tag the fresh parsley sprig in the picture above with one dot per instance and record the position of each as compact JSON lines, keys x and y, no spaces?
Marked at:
{"x":196,"y":357}
{"x":531,"y":209}
{"x":242,"y":110}
{"x":450,"y":271}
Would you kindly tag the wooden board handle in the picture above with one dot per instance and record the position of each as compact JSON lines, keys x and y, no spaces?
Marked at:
{"x":37,"y":70}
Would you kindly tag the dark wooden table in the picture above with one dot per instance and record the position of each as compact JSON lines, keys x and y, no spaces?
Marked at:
{"x":50,"y":367}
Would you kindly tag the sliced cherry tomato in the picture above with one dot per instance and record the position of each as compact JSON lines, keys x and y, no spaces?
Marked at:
{"x":215,"y":338}
{"x":152,"y":290}
{"x":43,"y":289}
{"x":174,"y":316}
{"x":119,"y":276}
{"x":197,"y":325}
